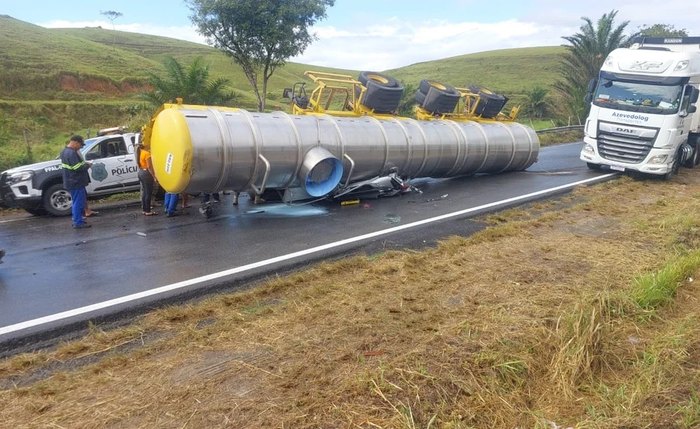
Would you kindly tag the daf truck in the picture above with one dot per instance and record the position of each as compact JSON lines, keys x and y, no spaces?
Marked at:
{"x":643,"y":115}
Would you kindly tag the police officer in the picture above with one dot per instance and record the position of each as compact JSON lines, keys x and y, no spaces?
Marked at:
{"x":76,"y":178}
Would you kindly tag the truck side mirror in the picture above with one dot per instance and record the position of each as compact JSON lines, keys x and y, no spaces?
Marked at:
{"x":589,"y":90}
{"x":694,"y":94}
{"x":692,"y":109}
{"x":591,"y":85}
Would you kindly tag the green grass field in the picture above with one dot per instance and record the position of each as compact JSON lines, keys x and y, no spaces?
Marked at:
{"x":54,"y":82}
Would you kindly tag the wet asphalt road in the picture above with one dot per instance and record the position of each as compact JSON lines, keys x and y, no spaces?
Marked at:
{"x":54,"y":278}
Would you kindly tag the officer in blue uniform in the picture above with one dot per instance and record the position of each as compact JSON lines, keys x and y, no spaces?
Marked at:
{"x":76,"y":178}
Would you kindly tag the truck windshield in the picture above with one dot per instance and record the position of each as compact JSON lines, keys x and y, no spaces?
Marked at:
{"x":87,"y":146}
{"x":638,"y":96}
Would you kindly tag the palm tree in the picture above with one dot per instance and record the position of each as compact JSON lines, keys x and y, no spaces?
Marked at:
{"x":585,"y":55}
{"x":191,"y":84}
{"x":536,"y":104}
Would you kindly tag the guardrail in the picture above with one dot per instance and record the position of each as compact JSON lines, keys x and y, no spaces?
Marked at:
{"x":558,"y":129}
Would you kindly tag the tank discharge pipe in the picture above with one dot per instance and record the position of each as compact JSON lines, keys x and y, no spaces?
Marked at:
{"x":204,"y":149}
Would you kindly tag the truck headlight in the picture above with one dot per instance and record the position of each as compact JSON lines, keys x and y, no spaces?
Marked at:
{"x":19,"y":176}
{"x":682,"y":65}
{"x":658,"y":159}
{"x":588,"y":149}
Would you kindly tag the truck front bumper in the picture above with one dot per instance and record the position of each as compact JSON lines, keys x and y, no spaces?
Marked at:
{"x":19,"y":195}
{"x":658,"y":161}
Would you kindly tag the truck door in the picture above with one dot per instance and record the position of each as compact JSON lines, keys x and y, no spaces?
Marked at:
{"x":112,"y":166}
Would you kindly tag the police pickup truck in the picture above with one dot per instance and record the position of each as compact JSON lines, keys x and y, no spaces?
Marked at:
{"x":38,"y":188}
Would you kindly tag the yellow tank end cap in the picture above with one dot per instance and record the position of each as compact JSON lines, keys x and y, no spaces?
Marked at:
{"x":171,"y":150}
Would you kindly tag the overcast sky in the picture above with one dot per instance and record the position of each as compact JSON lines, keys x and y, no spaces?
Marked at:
{"x":383,"y":34}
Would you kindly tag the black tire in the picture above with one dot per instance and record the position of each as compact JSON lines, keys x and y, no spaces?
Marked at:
{"x":378,"y":78}
{"x":36,"y":211}
{"x":439,"y":98}
{"x":694,"y":142}
{"x":693,"y":161}
{"x":56,"y":200}
{"x":382,"y":99}
{"x":425,"y":85}
{"x":419,"y":97}
{"x":592,"y":166}
{"x":674,"y":167}
{"x":490,"y":103}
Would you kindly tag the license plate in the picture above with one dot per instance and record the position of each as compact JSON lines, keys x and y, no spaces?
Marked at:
{"x":617,"y":168}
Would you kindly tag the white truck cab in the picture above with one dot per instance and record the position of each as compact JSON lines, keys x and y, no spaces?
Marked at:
{"x":643,"y":115}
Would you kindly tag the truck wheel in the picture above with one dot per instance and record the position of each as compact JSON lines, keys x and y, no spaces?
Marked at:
{"x":57,"y":200}
{"x":674,"y":167}
{"x":594,"y":166}
{"x":693,"y":161}
{"x":694,"y":142}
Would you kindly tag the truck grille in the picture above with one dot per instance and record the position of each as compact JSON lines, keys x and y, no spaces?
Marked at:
{"x":624,"y":143}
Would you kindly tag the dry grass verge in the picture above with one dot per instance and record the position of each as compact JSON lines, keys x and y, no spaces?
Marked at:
{"x":535,"y":322}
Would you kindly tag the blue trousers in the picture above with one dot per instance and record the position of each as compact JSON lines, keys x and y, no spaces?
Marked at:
{"x":79,"y":197}
{"x":170,"y":202}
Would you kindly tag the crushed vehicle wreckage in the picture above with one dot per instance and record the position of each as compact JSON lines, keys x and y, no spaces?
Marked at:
{"x":342,"y":140}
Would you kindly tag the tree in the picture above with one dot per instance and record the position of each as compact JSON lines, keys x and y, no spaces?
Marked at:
{"x":259,"y":35}
{"x":585,"y":56}
{"x":111,"y":15}
{"x":408,"y":99}
{"x":662,"y":30}
{"x":192,"y":84}
{"x":536,"y":104}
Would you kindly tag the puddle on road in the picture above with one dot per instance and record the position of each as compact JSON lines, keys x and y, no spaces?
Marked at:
{"x":285,"y":210}
{"x":392,"y":219}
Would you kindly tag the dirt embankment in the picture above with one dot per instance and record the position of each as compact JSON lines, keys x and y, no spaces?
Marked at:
{"x":72,"y":83}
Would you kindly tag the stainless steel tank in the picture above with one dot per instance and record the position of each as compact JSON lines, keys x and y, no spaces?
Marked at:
{"x":202,"y":148}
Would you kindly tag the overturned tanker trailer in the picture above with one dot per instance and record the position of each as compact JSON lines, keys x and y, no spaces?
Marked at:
{"x":312,"y":154}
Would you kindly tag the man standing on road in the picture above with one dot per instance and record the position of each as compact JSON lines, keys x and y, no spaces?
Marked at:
{"x":76,"y":178}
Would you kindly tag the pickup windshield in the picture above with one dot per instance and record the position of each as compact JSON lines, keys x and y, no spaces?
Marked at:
{"x":638,"y":96}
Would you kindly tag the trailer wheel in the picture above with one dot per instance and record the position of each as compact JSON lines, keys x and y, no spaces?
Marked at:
{"x":383,"y":94}
{"x":419,"y":97}
{"x":57,"y":200}
{"x":425,"y":85}
{"x":378,"y":78}
{"x":490,"y":103}
{"x":438,"y":97}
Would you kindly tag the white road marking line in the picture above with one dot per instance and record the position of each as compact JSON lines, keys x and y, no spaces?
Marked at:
{"x":179,"y":285}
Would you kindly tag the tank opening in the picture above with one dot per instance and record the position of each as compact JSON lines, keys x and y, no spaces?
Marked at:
{"x":321,"y":172}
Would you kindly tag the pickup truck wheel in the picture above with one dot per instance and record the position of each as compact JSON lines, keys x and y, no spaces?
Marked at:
{"x":57,"y":200}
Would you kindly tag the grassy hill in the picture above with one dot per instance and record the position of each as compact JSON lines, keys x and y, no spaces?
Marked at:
{"x":57,"y":81}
